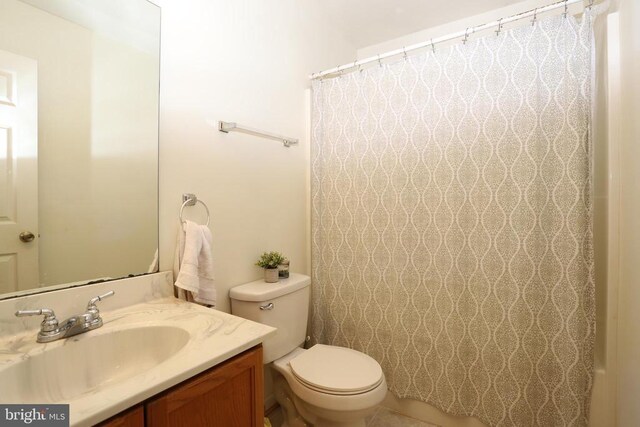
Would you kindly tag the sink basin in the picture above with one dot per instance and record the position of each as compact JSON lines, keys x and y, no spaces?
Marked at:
{"x":76,"y":366}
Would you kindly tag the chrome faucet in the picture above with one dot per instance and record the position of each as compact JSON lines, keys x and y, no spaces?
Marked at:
{"x":51,"y":330}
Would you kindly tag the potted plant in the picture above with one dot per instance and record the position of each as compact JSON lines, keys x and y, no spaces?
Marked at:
{"x":270,"y":262}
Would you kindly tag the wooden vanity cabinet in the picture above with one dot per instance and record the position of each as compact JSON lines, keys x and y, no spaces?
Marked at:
{"x":228,"y":395}
{"x":132,"y":417}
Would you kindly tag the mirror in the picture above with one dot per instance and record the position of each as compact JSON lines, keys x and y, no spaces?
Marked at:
{"x":79,"y":92}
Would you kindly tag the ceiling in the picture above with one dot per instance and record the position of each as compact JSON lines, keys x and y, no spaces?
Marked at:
{"x":368,"y":22}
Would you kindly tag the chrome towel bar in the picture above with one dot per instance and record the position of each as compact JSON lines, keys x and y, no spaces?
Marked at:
{"x":227,"y":127}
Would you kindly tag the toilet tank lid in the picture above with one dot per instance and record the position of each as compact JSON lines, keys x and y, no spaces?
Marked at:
{"x":260,"y":290}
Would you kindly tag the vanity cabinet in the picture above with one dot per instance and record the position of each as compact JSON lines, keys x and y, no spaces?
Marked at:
{"x":133,"y":417}
{"x":227,"y":395}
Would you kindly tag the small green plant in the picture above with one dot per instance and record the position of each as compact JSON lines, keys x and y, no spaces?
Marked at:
{"x":270,"y":260}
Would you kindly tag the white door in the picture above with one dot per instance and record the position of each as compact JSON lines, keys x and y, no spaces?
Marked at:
{"x":18,"y":172}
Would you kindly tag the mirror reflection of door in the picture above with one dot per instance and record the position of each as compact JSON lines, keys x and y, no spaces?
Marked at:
{"x":82,"y":177}
{"x":18,"y":173}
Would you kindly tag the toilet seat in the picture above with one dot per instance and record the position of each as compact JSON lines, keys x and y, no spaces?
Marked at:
{"x":322,"y":399}
{"x":336,"y":370}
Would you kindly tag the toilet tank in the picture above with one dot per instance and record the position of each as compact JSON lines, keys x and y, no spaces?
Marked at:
{"x":283,"y":305}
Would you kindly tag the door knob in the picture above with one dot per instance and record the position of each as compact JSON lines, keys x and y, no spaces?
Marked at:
{"x":27,"y":236}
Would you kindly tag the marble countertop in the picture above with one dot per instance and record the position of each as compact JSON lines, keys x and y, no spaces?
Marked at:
{"x":214,"y":337}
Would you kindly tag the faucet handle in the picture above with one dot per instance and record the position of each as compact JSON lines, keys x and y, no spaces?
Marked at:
{"x":49,"y":323}
{"x":91,"y":305}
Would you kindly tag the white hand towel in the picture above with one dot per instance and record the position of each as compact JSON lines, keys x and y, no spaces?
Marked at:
{"x":194,"y":261}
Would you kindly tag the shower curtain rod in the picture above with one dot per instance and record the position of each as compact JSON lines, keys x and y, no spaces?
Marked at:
{"x":460,"y":34}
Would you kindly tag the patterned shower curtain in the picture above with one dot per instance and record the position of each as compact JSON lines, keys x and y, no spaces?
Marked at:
{"x":451,"y":223}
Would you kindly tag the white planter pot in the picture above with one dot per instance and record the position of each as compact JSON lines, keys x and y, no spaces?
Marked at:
{"x":271,"y":275}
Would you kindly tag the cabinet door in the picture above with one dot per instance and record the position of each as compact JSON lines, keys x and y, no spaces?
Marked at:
{"x":229,"y":395}
{"x":133,"y":417}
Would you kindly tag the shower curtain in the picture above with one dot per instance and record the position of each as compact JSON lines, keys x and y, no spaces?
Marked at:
{"x":451,"y":223}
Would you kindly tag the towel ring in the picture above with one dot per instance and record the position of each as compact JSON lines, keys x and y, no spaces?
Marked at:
{"x":190,"y":201}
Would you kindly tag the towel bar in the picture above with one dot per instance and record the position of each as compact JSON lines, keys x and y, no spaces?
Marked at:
{"x":227,"y":127}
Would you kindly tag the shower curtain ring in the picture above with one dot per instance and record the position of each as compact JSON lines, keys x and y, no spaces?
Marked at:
{"x":433,"y":46}
{"x":404,"y":52}
{"x":535,"y":17}
{"x":466,"y":36}
{"x":379,"y":61}
{"x":566,"y":8}
{"x":499,"y":30}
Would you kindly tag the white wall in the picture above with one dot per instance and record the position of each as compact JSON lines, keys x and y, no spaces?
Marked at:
{"x":244,"y":61}
{"x":629,"y":320}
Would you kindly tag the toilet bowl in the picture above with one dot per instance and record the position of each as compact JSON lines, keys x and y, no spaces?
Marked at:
{"x":328,"y":386}
{"x":324,"y":386}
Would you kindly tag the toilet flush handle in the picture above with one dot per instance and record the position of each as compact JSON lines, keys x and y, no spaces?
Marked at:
{"x":267,"y":306}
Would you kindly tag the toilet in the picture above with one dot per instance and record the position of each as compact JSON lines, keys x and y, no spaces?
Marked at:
{"x":323,"y":386}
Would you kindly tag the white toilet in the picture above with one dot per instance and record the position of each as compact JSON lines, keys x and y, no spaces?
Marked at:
{"x":322,"y":386}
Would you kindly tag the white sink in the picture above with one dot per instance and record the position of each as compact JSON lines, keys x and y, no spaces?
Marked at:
{"x":149,"y":343}
{"x":87,"y":362}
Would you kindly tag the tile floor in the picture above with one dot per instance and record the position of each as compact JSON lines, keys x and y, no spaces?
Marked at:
{"x":383,"y":417}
